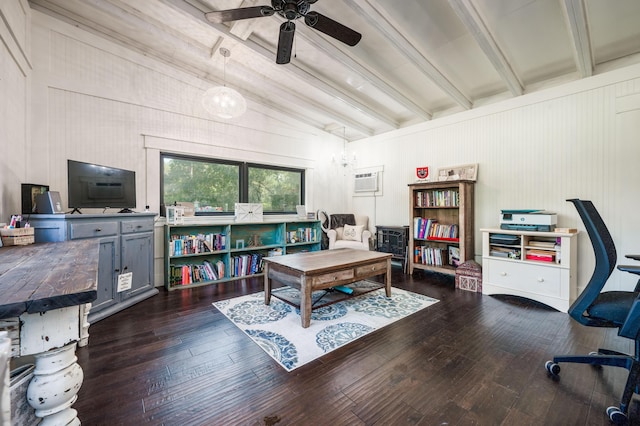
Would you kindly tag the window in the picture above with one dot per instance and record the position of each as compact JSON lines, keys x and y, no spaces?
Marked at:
{"x":214,"y":186}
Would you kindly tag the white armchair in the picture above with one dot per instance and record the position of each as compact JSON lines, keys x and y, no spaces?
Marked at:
{"x":347,"y":236}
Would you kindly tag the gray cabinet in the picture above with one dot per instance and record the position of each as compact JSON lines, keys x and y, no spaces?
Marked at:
{"x":126,"y":246}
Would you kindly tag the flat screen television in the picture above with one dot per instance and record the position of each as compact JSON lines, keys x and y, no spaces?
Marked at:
{"x":96,"y":186}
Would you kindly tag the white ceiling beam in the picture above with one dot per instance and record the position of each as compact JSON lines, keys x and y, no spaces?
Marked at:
{"x":576,"y":15}
{"x":314,"y":107}
{"x":320,"y":43}
{"x":203,"y":53}
{"x":470,"y":17}
{"x":292,"y":69}
{"x":199,"y":51}
{"x":371,"y":9}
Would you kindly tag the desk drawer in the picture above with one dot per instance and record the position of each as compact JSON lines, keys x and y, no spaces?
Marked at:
{"x":346,"y":274}
{"x":369,"y":270}
{"x":537,"y":279}
{"x":131,"y":226}
{"x":92,"y":229}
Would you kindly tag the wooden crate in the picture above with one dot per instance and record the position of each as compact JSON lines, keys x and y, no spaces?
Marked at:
{"x":17,"y":236}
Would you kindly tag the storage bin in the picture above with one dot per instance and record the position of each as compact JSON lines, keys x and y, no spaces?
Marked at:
{"x":17,"y":236}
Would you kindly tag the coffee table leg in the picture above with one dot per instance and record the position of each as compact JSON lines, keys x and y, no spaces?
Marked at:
{"x":305,"y":302}
{"x":387,"y":278}
{"x":267,"y":284}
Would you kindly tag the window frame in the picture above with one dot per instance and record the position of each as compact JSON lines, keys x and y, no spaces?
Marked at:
{"x":243,"y":181}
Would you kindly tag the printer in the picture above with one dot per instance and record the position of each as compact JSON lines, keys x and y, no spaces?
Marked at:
{"x":528,"y":220}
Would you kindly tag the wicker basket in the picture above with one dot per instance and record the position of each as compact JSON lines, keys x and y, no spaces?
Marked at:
{"x":17,"y":236}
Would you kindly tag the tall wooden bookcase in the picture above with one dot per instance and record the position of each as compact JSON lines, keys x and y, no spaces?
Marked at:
{"x":441,"y":230}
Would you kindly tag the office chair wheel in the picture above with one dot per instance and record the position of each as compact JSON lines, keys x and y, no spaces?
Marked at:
{"x":616,"y":416}
{"x":552,"y":368}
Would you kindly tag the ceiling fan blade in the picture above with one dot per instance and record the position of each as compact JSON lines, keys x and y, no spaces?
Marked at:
{"x":220,"y":16}
{"x":285,"y":42}
{"x":332,"y":28}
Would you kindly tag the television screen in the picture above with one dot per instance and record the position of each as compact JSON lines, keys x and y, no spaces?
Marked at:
{"x":95,"y":186}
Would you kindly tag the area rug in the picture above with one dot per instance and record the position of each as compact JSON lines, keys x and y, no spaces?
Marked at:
{"x":277,"y":329}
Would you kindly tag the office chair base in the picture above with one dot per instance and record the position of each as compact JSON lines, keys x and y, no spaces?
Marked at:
{"x":616,"y":416}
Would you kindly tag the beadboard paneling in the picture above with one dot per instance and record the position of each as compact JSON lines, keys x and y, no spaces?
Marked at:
{"x":530,"y":155}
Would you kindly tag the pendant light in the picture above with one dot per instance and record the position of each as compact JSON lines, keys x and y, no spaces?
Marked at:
{"x":223,"y":101}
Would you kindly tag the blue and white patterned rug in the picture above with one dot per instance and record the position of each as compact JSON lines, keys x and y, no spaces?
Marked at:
{"x":277,"y":329}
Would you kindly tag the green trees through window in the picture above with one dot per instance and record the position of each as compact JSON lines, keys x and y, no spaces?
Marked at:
{"x":214,"y":186}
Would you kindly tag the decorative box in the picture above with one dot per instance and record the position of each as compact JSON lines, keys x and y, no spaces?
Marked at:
{"x":469,"y":276}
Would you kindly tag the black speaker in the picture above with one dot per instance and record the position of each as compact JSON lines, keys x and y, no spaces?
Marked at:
{"x":48,"y":203}
{"x":29,"y":193}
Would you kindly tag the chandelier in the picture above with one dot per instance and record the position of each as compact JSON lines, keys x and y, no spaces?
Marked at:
{"x":223,"y":101}
{"x":344,"y":159}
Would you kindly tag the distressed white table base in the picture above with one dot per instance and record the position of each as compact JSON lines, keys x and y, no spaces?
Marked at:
{"x":54,"y":388}
{"x":52,"y":338}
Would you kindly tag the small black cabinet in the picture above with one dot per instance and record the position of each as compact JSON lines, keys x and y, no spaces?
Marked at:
{"x":394,"y":240}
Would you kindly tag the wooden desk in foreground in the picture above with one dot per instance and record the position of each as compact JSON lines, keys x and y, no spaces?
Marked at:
{"x":45,"y":295}
{"x":319,"y":270}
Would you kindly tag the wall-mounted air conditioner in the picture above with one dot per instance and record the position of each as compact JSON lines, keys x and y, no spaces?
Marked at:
{"x":366,"y":182}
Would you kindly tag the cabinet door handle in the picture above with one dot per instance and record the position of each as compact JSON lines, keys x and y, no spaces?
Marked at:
{"x":503,"y":274}
{"x":540,"y":280}
{"x":98,"y":229}
{"x":139,"y":226}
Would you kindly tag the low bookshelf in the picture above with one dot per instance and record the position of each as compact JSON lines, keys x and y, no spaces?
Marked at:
{"x":540,"y":266}
{"x":198,"y":254}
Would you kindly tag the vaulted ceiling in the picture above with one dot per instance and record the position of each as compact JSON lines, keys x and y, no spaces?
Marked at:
{"x":418,"y":60}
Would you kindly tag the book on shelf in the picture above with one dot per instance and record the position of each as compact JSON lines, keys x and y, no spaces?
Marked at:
{"x":437,"y":198}
{"x":194,"y":273}
{"x":426,"y":255}
{"x":302,"y":235}
{"x":246,"y":264}
{"x":181,"y":245}
{"x":542,"y":244}
{"x":541,"y":255}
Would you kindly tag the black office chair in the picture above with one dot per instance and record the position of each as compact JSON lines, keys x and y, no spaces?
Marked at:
{"x":613,"y":309}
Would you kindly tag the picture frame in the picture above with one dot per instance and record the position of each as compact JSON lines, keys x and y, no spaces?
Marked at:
{"x":454,"y":255}
{"x":175,"y":215}
{"x":301,"y":210}
{"x":248,"y":212}
{"x":463,"y":172}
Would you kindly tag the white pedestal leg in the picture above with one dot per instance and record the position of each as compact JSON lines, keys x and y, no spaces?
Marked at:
{"x":54,"y":388}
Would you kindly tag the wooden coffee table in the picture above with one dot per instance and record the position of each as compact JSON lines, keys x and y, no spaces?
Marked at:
{"x":324,"y":269}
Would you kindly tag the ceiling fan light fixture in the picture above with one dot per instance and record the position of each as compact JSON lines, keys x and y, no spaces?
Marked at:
{"x":222,"y":101}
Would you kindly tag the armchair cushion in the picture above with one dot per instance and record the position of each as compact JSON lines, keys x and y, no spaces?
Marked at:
{"x":352,"y":233}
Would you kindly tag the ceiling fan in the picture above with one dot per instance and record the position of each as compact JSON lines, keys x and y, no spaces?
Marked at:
{"x":290,"y":10}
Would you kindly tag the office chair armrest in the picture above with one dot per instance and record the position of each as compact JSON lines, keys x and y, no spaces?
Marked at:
{"x":631,"y":326}
{"x":633,"y":256}
{"x":632,"y":269}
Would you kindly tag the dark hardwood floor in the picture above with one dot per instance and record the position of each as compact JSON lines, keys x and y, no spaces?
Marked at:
{"x":468,"y":360}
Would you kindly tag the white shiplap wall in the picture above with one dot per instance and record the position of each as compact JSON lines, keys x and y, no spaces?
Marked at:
{"x":15,"y":75}
{"x":578,"y":141}
{"x":99,"y":102}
